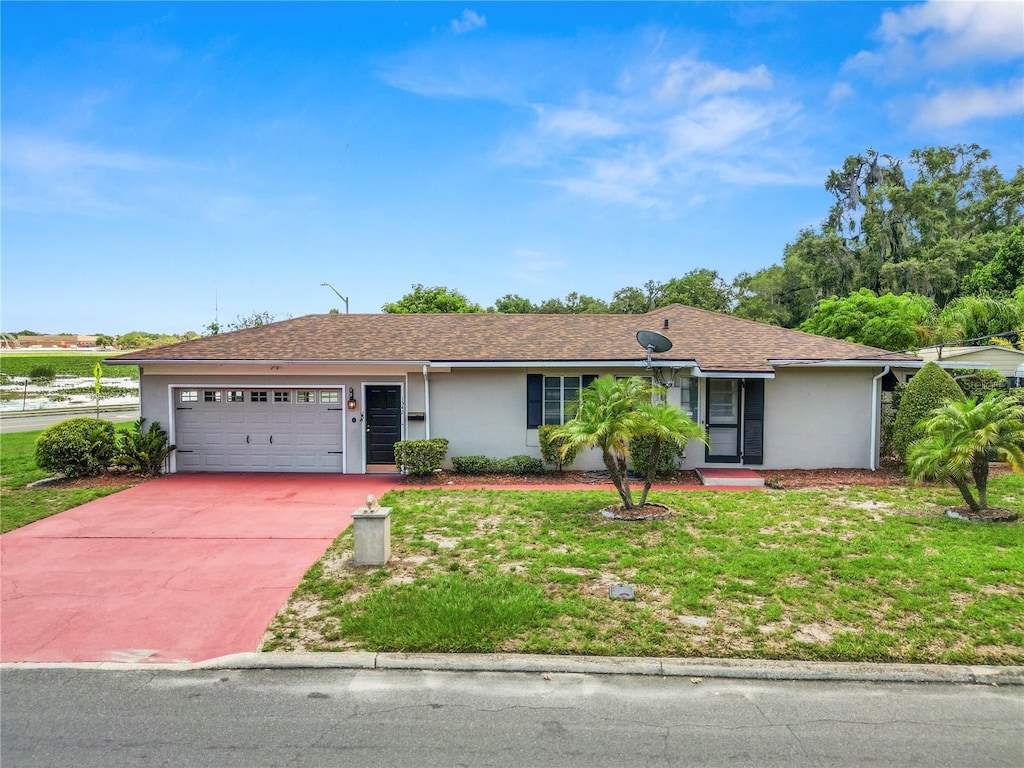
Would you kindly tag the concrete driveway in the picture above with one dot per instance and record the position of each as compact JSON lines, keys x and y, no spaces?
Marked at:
{"x":183,"y":568}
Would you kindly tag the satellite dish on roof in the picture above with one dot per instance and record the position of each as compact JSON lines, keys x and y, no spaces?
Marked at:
{"x":653,"y":342}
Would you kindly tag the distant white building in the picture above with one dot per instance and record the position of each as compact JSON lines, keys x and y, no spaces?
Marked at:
{"x":1008,"y":362}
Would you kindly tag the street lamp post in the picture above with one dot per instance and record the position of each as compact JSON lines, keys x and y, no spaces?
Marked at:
{"x":328,"y":285}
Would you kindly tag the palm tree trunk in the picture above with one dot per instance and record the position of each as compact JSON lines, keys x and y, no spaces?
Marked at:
{"x":965,"y":491}
{"x":980,"y":472}
{"x":652,"y":471}
{"x":619,"y":479}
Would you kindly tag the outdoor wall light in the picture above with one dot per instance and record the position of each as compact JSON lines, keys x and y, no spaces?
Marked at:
{"x":352,"y":404}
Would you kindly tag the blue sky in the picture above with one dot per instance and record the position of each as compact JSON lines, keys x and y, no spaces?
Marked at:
{"x":158,"y":158}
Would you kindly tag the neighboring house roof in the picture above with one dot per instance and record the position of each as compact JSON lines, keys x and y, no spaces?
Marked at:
{"x":1005,"y":360}
{"x":709,"y":340}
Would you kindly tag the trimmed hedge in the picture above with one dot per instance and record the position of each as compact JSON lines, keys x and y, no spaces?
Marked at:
{"x":521,"y":465}
{"x":77,"y":447}
{"x":927,"y":390}
{"x":474,"y":465}
{"x":485,"y":465}
{"x":421,"y":457}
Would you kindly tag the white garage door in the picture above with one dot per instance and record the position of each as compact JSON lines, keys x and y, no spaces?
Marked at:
{"x":258,"y":430}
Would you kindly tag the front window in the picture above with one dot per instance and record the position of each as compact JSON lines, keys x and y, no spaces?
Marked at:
{"x":560,"y":396}
{"x":690,"y":396}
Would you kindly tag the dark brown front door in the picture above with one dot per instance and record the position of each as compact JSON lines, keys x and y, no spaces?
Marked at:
{"x":383,"y":422}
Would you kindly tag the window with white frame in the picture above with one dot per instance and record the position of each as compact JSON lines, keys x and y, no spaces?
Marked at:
{"x":211,"y":396}
{"x":282,"y":396}
{"x":329,"y":396}
{"x":236,"y":396}
{"x":305,"y":396}
{"x":689,"y":395}
{"x":561,"y":394}
{"x":258,"y":396}
{"x":188,"y":396}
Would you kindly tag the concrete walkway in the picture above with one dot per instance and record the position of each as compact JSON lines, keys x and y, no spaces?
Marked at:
{"x":179,"y":569}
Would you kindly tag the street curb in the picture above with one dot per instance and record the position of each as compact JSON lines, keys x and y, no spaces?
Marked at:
{"x":736,"y":669}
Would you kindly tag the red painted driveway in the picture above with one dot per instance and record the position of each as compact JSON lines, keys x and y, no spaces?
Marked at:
{"x":183,"y":568}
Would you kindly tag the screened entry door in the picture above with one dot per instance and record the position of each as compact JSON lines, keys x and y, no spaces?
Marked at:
{"x":724,"y":420}
{"x":383,"y":422}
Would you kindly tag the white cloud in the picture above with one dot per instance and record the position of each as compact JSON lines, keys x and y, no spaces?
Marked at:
{"x":951,"y":32}
{"x":962,"y":105}
{"x":690,"y":78}
{"x":636,"y":130}
{"x":577,"y":122}
{"x":944,"y":35}
{"x":839,"y":93}
{"x":45,"y":155}
{"x":468,"y":22}
{"x":719,"y":124}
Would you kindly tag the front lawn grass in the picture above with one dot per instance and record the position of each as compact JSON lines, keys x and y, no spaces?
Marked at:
{"x":860,"y":574}
{"x":20,"y":505}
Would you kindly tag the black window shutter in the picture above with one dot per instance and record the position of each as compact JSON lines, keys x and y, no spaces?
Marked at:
{"x":753,"y":421}
{"x":534,"y":399}
{"x":588,"y":378}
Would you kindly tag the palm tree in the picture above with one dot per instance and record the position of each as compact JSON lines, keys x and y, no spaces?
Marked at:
{"x":961,"y":437}
{"x":612,"y":412}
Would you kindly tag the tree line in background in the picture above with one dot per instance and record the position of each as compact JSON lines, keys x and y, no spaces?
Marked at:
{"x":905,"y":257}
{"x":912,"y":252}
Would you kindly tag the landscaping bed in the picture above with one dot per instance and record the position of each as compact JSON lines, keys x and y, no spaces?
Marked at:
{"x":776,"y":478}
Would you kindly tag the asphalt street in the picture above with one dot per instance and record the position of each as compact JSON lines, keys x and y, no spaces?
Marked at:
{"x":26,"y":421}
{"x":252,"y":718}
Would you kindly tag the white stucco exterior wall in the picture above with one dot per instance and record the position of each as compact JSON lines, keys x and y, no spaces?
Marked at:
{"x":818,"y":418}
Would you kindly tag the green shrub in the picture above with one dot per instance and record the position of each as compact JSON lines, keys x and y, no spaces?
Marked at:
{"x":474,"y":465}
{"x":930,"y":388}
{"x":521,"y":466}
{"x":421,"y":457}
{"x":977,"y":384}
{"x":143,"y":452}
{"x":42,"y":373}
{"x":77,"y":447}
{"x":640,"y":456}
{"x":551,"y":448}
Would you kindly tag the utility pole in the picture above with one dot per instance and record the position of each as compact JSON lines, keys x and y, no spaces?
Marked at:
{"x":328,"y":285}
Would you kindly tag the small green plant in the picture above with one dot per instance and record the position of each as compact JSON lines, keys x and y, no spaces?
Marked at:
{"x":421,"y":457}
{"x":551,"y":448}
{"x":144,"y":452}
{"x":930,"y":387}
{"x":474,"y":465}
{"x":79,"y":447}
{"x":521,"y":466}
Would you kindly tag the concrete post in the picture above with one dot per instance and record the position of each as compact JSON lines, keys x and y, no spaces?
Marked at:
{"x":372,"y":533}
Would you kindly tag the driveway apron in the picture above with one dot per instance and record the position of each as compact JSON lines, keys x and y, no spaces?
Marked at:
{"x":183,"y":568}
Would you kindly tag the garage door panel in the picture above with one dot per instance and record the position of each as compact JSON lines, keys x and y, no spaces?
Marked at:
{"x":222,"y":435}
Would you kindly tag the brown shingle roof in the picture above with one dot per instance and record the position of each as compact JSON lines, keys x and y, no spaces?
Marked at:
{"x":716,"y":342}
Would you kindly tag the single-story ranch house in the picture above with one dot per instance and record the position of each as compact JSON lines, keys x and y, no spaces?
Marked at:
{"x":333,"y":393}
